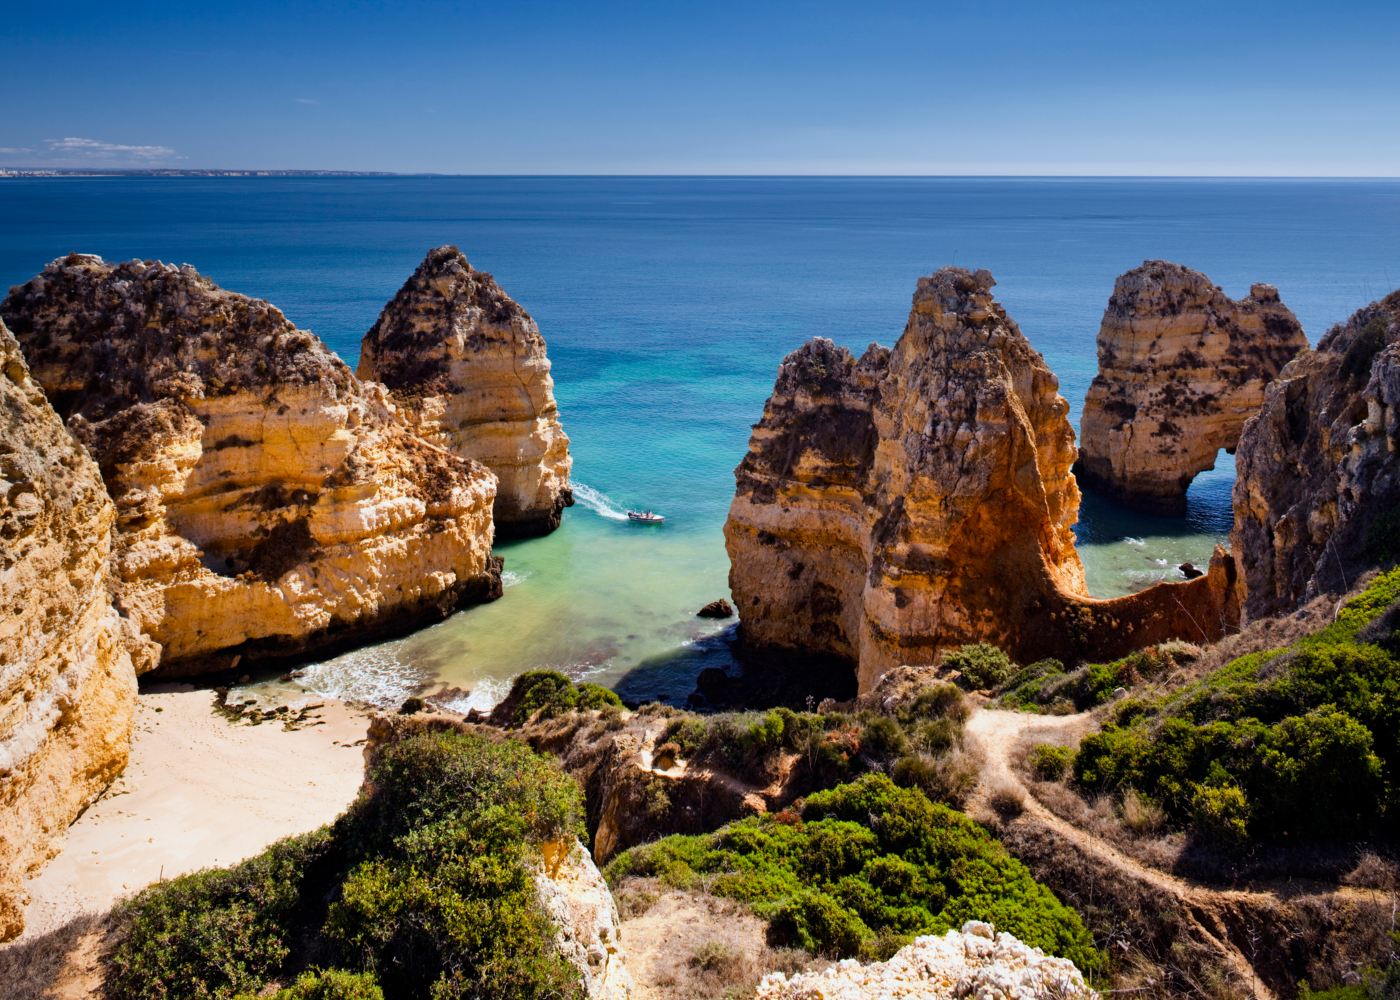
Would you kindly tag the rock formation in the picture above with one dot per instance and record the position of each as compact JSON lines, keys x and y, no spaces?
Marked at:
{"x":976,"y":962}
{"x":1182,"y":366}
{"x":1317,"y":493}
{"x":588,"y":930}
{"x":67,"y":682}
{"x":268,"y":503}
{"x":468,"y":367}
{"x":920,"y":498}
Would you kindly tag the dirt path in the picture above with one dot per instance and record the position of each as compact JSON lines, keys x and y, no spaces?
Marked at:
{"x":996,"y":734}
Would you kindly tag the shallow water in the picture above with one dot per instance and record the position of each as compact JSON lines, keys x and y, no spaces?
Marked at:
{"x":668,"y":303}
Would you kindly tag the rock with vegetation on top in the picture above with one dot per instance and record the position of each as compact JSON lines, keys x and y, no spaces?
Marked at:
{"x":268,"y":502}
{"x":1317,"y":493}
{"x":468,"y":366}
{"x":1182,"y":366}
{"x":67,"y":681}
{"x":973,"y":962}
{"x":916,"y":499}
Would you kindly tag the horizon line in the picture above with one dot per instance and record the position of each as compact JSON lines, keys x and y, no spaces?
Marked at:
{"x":174,"y":172}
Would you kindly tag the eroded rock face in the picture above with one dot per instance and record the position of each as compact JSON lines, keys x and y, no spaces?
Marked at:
{"x":268,"y":502}
{"x":67,"y":680}
{"x":1182,"y":366}
{"x":920,"y":498}
{"x":973,"y":962}
{"x":1317,"y":493}
{"x":468,"y":366}
{"x":588,"y":930}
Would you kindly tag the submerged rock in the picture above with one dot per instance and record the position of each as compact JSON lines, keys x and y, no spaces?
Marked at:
{"x":1182,"y":366}
{"x":973,"y":962}
{"x":916,"y":499}
{"x":1317,"y":493}
{"x":268,"y":502}
{"x":469,"y":368}
{"x":716,"y":609}
{"x":67,"y":678}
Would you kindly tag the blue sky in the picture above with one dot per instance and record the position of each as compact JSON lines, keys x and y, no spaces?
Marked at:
{"x":594,"y":86}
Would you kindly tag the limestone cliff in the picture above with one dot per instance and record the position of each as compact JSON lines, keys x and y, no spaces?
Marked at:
{"x":920,"y":498}
{"x":267,"y":502}
{"x":1317,"y":493}
{"x":67,"y":683}
{"x":468,"y":367}
{"x":1182,"y":366}
{"x":973,"y":962}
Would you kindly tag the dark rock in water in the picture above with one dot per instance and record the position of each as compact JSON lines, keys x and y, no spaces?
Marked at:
{"x":1189,"y":571}
{"x":716,"y":609}
{"x":711,"y":679}
{"x":411,"y":706}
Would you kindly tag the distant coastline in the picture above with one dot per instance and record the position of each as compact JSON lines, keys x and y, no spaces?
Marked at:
{"x":27,"y":172}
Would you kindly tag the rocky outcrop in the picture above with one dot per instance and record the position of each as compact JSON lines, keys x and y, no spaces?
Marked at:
{"x":976,"y":962}
{"x":67,"y":681}
{"x":1317,"y":491}
{"x":588,"y":930}
{"x":268,"y":503}
{"x":919,"y":498}
{"x":468,"y":367}
{"x":1182,"y":366}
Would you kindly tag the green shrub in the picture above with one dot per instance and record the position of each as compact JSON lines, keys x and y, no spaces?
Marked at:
{"x":548,"y":693}
{"x":422,"y":888}
{"x":864,"y":866}
{"x":1295,"y":742}
{"x":1049,"y":761}
{"x":982,"y":666}
{"x":328,"y":984}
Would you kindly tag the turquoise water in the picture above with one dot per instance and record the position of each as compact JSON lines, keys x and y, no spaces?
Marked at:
{"x":668,"y":303}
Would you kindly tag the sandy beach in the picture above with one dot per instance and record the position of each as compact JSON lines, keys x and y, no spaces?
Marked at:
{"x":200,"y":791}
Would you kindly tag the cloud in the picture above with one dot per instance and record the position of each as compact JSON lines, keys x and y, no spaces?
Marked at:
{"x":96,"y":149}
{"x":306,"y":100}
{"x":15,"y":149}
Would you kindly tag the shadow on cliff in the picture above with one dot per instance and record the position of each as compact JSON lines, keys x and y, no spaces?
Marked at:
{"x":720,"y":673}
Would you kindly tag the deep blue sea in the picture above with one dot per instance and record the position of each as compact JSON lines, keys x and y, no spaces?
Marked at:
{"x":667,"y":304}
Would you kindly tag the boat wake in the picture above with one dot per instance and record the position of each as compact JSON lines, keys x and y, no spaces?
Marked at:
{"x":599,"y":503}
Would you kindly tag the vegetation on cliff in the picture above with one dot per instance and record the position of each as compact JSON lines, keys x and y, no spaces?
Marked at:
{"x":1300,"y":742}
{"x":422,"y":889}
{"x":862,"y":869}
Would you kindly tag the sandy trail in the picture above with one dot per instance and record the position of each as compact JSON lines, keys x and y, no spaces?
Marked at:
{"x":199,"y":792}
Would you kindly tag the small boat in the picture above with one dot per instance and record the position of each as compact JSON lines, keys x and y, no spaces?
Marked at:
{"x":645,"y":517}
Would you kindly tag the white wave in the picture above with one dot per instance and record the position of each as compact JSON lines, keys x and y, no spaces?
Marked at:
{"x":373,"y":676}
{"x":486,"y":695}
{"x":510,"y":577}
{"x":1135,"y":541}
{"x":1160,"y":562}
{"x":598,"y":502}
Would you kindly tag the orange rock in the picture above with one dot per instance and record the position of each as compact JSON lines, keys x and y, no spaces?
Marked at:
{"x":921,"y":498}
{"x":268,"y":502}
{"x":1182,"y":366}
{"x":468,"y":367}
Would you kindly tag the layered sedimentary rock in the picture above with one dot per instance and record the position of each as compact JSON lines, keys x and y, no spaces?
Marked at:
{"x":1182,"y":366}
{"x":469,"y":369}
{"x":67,"y":681}
{"x":919,"y":498}
{"x":1317,"y":493}
{"x":267,"y":501}
{"x":973,"y":962}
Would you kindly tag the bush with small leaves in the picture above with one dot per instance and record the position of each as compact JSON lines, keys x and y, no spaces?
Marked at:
{"x":981,"y":665}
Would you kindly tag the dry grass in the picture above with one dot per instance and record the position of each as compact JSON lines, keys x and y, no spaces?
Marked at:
{"x":59,"y":965}
{"x":1007,"y":802}
{"x":690,"y":946}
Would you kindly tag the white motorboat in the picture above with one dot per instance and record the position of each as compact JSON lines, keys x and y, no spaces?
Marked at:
{"x":645,"y":517}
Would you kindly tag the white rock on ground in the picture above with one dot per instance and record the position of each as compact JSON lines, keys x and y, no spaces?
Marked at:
{"x":976,"y":963}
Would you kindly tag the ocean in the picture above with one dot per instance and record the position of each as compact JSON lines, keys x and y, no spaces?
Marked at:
{"x":667,"y":304}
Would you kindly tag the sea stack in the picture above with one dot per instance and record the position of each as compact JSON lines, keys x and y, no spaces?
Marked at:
{"x":1182,"y":366}
{"x":468,"y":368}
{"x":1317,"y":492}
{"x":916,"y":499}
{"x":67,"y":678}
{"x":268,"y":503}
